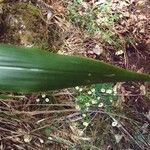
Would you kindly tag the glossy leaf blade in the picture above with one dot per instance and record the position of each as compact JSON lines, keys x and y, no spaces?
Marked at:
{"x":32,"y":70}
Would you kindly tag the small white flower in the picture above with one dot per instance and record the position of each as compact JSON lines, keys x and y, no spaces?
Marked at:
{"x":98,"y":50}
{"x":87,"y":109}
{"x":29,"y":45}
{"x":50,"y":138}
{"x":101,"y":105}
{"x":115,"y":93}
{"x":47,"y":100}
{"x":77,"y":107}
{"x":114,"y":123}
{"x":37,"y":100}
{"x":84,"y":115}
{"x":80,"y":90}
{"x":103,"y":90}
{"x":119,"y":52}
{"x":94,"y":102}
{"x":27,"y":138}
{"x":89,"y":92}
{"x":85,"y":124}
{"x":60,"y":52}
{"x":77,"y":88}
{"x":87,"y":104}
{"x":49,"y":15}
{"x":98,"y":98}
{"x":111,"y":100}
{"x":41,"y":141}
{"x":93,"y":90}
{"x":80,"y":133}
{"x":109,"y":91}
{"x":43,"y":95}
{"x":100,"y":2}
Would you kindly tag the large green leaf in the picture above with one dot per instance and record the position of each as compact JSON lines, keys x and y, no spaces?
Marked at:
{"x":32,"y":70}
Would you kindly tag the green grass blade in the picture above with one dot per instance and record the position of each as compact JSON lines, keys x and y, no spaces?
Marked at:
{"x":32,"y":70}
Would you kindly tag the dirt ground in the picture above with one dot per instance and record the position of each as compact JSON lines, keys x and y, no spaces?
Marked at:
{"x":65,"y":27}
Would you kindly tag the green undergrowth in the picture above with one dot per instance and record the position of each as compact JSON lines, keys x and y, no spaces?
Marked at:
{"x":99,"y":95}
{"x":23,"y":25}
{"x":98,"y":21}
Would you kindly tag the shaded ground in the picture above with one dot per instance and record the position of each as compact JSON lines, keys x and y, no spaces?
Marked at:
{"x":116,"y":32}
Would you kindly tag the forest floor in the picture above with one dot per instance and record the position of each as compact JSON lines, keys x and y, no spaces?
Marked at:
{"x":111,"y":116}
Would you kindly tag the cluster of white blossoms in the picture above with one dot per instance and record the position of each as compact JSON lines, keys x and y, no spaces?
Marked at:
{"x":78,"y":89}
{"x":85,"y":124}
{"x":93,"y":99}
{"x":115,"y":123}
{"x":43,"y":97}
